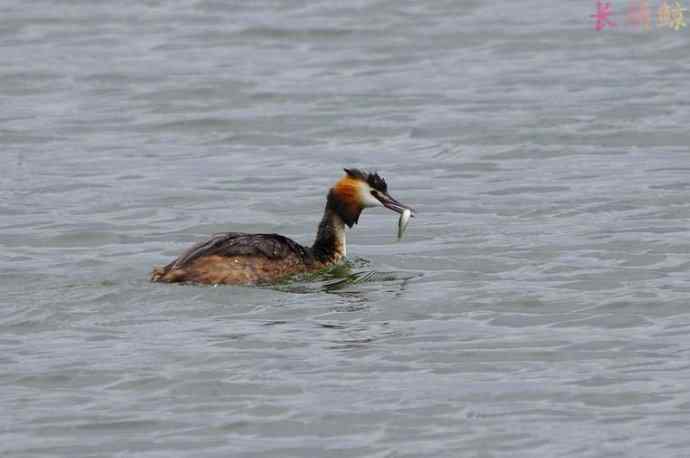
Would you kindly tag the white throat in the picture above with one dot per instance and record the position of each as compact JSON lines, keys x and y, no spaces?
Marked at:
{"x":340,"y":237}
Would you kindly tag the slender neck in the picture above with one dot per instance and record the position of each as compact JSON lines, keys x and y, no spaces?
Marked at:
{"x":329,"y":245}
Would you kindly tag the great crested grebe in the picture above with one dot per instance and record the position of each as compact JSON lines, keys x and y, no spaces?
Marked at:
{"x":239,"y":258}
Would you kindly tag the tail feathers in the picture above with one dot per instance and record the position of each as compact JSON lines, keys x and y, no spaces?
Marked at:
{"x":167,"y":274}
{"x":158,"y":273}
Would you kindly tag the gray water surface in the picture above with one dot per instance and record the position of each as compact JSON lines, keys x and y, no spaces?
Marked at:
{"x":539,"y":304}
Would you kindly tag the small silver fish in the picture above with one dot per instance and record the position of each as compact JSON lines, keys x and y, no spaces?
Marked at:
{"x":402,"y":222}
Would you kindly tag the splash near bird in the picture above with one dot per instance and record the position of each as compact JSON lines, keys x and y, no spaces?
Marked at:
{"x":240,"y":258}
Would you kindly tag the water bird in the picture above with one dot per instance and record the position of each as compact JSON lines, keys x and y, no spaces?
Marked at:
{"x":241,"y":258}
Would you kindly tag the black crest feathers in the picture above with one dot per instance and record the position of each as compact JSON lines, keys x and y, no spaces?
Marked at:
{"x":372,"y":179}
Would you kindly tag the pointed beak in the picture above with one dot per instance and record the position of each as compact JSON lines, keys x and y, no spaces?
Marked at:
{"x":389,"y":202}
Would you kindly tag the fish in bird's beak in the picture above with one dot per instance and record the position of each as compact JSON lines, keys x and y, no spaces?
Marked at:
{"x":389,"y":202}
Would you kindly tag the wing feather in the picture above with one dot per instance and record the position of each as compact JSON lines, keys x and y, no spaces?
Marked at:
{"x":271,"y":246}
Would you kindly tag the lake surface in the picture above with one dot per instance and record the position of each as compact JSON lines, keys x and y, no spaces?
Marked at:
{"x":539,"y":305}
